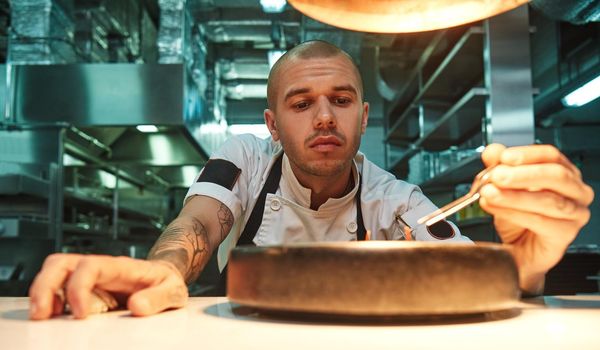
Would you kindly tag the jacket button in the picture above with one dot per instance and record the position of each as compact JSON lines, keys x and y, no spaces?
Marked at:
{"x":275,"y":204}
{"x":352,"y":227}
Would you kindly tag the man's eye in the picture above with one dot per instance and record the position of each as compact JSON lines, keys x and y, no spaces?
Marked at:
{"x":341,"y":101}
{"x":301,"y":105}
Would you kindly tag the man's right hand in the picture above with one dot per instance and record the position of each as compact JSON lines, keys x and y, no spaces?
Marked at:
{"x":148,"y":287}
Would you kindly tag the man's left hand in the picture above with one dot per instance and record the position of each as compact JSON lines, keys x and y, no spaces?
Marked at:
{"x":539,"y":203}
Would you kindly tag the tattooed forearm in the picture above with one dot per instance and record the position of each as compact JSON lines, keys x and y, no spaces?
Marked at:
{"x":225,"y":220}
{"x":187,"y":248}
{"x":186,"y":242}
{"x":198,"y":239}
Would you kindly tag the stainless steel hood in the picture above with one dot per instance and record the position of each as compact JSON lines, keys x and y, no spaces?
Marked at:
{"x":101,"y":94}
{"x":103,"y":104}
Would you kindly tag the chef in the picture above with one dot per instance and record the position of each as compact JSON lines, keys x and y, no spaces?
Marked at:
{"x":309,"y":183}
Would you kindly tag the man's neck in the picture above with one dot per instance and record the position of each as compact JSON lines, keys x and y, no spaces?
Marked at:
{"x":325,"y":187}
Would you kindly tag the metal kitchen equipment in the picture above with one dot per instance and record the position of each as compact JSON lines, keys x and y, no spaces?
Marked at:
{"x":374,"y":278}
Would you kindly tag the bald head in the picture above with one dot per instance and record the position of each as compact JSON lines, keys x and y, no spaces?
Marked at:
{"x":305,"y":51}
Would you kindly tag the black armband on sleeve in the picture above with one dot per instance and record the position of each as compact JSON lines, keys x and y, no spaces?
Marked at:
{"x":441,"y":230}
{"x":221,"y":172}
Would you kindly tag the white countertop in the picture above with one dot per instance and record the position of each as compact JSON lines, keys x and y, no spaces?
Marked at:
{"x":570,"y":322}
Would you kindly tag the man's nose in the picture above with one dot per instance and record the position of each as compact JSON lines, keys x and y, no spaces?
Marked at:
{"x":325,"y":117}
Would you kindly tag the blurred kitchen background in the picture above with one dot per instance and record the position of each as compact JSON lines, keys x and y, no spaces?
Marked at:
{"x":109,"y":108}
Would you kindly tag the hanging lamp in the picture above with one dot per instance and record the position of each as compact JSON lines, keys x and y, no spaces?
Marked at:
{"x":401,"y":16}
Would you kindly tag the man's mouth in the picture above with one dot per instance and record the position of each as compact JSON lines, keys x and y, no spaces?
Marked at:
{"x":325,"y":143}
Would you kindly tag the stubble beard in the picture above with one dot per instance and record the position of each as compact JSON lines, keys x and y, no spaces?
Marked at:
{"x":322,"y":167}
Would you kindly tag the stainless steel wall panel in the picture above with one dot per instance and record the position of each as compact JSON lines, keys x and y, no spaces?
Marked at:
{"x":3,"y":91}
{"x":507,"y":61}
{"x":101,"y":94}
{"x":40,"y":146}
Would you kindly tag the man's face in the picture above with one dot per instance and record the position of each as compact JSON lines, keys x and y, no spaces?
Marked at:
{"x":319,"y":115}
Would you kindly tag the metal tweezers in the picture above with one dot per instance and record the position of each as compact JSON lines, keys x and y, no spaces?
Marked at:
{"x":473,"y":195}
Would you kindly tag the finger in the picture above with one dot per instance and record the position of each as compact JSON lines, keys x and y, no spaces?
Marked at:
{"x":112,"y":274}
{"x":492,"y":153}
{"x":105,"y":272}
{"x":58,"y":305}
{"x":101,"y":301}
{"x":537,"y":154}
{"x":167,"y":295}
{"x":544,"y":203}
{"x":127,"y":275}
{"x":557,"y":232}
{"x":48,"y":282}
{"x":80,"y":285}
{"x":552,"y":177}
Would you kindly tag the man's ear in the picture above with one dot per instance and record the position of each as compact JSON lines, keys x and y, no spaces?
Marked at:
{"x":271,"y":125}
{"x":365,"y":118}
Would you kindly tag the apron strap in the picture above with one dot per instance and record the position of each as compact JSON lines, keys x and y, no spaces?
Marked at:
{"x":256,"y":216}
{"x":361,"y":232}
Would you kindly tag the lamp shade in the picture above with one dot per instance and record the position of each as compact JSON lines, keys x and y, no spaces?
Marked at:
{"x":401,"y":16}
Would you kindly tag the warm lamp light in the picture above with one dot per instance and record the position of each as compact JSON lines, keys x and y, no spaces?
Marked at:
{"x":401,"y":16}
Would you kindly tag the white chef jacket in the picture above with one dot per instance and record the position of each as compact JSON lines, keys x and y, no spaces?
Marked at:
{"x":287,"y":216}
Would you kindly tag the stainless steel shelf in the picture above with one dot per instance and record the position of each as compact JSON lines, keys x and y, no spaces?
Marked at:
{"x":459,"y":123}
{"x":80,"y":230}
{"x":400,"y":165}
{"x":412,"y":78}
{"x":16,"y":184}
{"x":128,"y":228}
{"x":23,"y":227}
{"x":84,"y":201}
{"x":460,"y":70}
{"x":461,"y":172}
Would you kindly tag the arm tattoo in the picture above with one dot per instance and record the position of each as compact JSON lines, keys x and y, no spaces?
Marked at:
{"x":225,"y":219}
{"x":185,"y":243}
{"x":199,"y":242}
{"x":185,"y":248}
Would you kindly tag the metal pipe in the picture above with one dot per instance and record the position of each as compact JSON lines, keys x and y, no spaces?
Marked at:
{"x":94,"y":141}
{"x":56,"y":196}
{"x":105,"y":166}
{"x":10,"y":88}
{"x":115,"y":207}
{"x":157,"y":178}
{"x":250,"y":22}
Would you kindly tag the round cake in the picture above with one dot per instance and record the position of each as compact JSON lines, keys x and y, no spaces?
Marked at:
{"x":374,"y":278}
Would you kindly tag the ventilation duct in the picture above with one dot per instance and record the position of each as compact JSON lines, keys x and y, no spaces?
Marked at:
{"x":42,"y":32}
{"x":174,"y":32}
{"x":109,"y":30}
